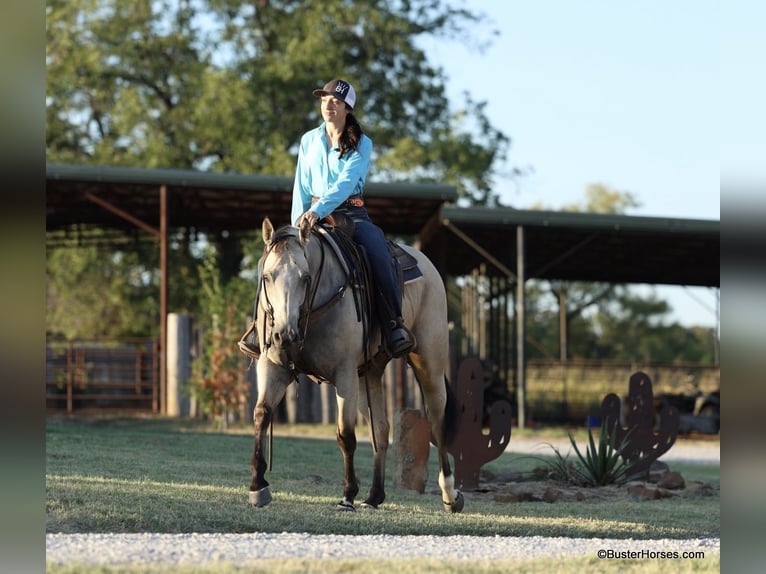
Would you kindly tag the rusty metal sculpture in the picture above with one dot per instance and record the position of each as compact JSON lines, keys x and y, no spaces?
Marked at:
{"x":644,"y":435}
{"x":471,"y":448}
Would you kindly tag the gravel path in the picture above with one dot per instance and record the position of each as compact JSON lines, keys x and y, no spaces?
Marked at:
{"x":682,"y":451}
{"x":181,"y":549}
{"x":199,"y":549}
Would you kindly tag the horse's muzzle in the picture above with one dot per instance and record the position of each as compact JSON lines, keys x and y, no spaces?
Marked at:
{"x":287,"y":339}
{"x":285,"y":344}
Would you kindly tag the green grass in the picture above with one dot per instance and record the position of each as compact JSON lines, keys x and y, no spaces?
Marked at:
{"x":157,"y":474}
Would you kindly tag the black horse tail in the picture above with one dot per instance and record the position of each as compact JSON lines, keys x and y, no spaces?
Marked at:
{"x":450,"y":414}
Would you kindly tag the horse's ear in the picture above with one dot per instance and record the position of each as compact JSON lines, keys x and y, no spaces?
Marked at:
{"x":267,"y":230}
{"x":304,"y":231}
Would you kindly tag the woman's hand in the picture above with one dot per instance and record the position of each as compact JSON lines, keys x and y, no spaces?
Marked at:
{"x":309,"y":216}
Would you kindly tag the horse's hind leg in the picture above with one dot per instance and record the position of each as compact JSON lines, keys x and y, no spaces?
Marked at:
{"x":379,"y":429}
{"x":271,"y":389}
{"x":441,"y":408}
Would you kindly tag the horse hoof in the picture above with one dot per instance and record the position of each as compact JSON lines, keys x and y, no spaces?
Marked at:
{"x":259,"y":498}
{"x":345,"y":506}
{"x":456,"y":506}
{"x":369,"y":506}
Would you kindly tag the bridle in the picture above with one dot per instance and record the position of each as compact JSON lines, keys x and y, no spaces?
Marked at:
{"x":307,"y":310}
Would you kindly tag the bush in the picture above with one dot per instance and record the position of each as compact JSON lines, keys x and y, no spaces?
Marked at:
{"x":601,"y":464}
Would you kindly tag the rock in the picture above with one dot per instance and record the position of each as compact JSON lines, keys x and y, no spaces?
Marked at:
{"x":412,"y":436}
{"x":643,"y":492}
{"x":672,"y":481}
{"x":551,"y":494}
{"x":696,"y":488}
{"x":658,"y":470}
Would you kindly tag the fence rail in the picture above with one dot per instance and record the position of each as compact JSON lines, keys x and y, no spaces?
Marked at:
{"x":571,"y":390}
{"x":115,"y":374}
{"x":124,"y":374}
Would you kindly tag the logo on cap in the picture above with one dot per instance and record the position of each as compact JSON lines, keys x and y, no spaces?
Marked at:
{"x":343,"y":89}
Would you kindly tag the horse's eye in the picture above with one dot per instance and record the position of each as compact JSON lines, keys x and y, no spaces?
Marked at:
{"x":267,"y":277}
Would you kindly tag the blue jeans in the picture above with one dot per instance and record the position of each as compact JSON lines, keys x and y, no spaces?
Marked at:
{"x":371,"y":237}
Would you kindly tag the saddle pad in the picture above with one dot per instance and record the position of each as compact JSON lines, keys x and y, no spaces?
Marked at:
{"x":406,"y":262}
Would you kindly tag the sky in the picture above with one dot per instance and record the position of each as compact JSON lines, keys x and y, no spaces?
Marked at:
{"x":624,"y":94}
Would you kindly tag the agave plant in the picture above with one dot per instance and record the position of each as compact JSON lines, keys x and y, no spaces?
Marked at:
{"x":602,"y":463}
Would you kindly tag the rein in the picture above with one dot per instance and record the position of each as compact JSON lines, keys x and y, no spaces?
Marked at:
{"x":308,"y":311}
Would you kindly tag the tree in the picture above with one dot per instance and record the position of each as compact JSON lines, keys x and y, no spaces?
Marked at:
{"x":95,"y":291}
{"x":224,"y":85}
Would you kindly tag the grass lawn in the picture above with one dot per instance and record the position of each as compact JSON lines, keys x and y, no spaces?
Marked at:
{"x":155,"y":474}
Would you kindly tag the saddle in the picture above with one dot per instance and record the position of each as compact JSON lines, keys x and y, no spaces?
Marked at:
{"x":337,"y":229}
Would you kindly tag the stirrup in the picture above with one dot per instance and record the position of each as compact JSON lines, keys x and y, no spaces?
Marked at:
{"x":250,"y":349}
{"x":399,"y":340}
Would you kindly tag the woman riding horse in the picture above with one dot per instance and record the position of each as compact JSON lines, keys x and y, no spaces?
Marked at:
{"x":333,"y":161}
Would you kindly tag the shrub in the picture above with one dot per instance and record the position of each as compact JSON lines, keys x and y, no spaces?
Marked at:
{"x":601,"y":464}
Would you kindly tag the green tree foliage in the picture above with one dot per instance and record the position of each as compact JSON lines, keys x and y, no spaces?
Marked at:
{"x":218,"y":382}
{"x":225,"y":86}
{"x":95,"y":291}
{"x":633,"y":327}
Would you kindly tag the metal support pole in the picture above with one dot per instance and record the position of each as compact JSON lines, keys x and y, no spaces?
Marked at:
{"x":163,"y":300}
{"x":521,"y":365}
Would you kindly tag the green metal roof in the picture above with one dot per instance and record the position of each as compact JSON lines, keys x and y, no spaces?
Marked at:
{"x":557,"y":245}
{"x":579,"y":246}
{"x":209,"y":201}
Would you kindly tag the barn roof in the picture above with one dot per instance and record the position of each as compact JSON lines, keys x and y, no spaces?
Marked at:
{"x":556,"y":245}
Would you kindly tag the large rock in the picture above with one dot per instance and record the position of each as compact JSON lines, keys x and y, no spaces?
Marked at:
{"x":412,"y":437}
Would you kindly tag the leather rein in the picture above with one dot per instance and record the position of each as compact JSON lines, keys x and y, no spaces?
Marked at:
{"x":307,"y":309}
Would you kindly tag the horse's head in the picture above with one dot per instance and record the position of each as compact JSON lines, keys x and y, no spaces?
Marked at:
{"x":286,"y":289}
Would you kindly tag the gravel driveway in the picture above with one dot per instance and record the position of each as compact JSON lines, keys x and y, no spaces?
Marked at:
{"x":186,"y":549}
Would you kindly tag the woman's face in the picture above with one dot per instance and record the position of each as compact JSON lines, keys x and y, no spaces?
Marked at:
{"x":334,"y":110}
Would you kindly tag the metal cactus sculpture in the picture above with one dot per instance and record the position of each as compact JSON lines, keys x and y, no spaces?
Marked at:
{"x":643,"y":434}
{"x":471,"y":448}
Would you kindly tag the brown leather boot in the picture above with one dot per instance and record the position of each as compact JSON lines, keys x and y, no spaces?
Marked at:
{"x":250,"y":348}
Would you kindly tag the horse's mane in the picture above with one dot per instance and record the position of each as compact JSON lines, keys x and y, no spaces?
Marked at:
{"x":280,"y":235}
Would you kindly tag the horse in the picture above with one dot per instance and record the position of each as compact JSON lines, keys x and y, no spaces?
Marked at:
{"x":308,"y":322}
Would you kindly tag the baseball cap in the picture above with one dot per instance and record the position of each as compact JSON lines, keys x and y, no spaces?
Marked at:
{"x":340,"y":89}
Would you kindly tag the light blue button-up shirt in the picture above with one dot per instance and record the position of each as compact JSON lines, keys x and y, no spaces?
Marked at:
{"x":321,"y":174}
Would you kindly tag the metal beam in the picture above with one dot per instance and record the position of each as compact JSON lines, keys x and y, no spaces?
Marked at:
{"x":480,"y":250}
{"x":123,"y":214}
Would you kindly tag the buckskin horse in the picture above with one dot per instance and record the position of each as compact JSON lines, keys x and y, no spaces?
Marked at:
{"x":308,"y":321}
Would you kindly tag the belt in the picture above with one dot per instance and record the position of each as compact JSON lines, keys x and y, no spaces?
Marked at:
{"x":351,"y":201}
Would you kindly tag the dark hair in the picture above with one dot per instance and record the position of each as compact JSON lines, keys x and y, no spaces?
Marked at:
{"x":352,"y":134}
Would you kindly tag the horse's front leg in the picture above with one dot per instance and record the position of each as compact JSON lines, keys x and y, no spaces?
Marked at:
{"x":379,"y":429}
{"x":272,"y":382}
{"x":347,"y":396}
